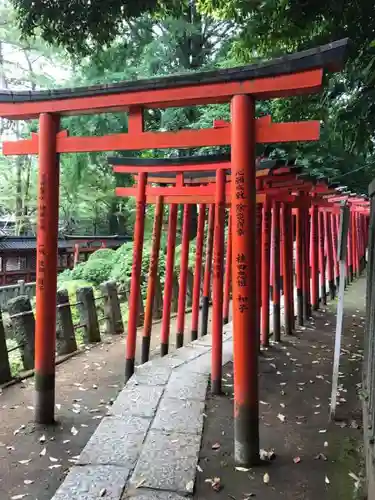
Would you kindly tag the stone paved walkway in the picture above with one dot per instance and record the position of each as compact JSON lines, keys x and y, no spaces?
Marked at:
{"x":148,"y":447}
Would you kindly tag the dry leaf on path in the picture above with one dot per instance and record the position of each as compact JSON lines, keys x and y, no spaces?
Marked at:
{"x":266,"y":478}
{"x":215,"y":446}
{"x":296,"y":460}
{"x":327,"y":481}
{"x":281,"y":417}
{"x":242,"y":469}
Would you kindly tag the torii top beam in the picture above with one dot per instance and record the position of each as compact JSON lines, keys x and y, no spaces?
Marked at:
{"x":293,"y":74}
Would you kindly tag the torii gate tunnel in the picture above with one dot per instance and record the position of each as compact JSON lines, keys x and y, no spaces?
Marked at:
{"x":262,"y":203}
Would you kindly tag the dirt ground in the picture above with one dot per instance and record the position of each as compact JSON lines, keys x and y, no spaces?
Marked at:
{"x":314,"y":459}
{"x":34,"y":460}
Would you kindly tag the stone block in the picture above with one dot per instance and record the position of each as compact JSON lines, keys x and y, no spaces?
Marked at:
{"x":88,"y":483}
{"x":117,"y":441}
{"x":140,"y":400}
{"x":148,"y":374}
{"x":143,"y":494}
{"x":175,"y":415}
{"x":168,"y":462}
{"x":198,"y":365}
{"x":185,"y":384}
{"x":190,"y":352}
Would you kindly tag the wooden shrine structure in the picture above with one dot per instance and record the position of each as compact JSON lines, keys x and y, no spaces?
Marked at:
{"x":262,"y":205}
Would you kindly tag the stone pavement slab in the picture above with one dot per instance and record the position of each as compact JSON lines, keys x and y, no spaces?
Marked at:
{"x":140,"y":400}
{"x":119,"y":441}
{"x":185,"y":385}
{"x":92,"y":483}
{"x":168,"y":462}
{"x":143,"y":494}
{"x":176,"y":415}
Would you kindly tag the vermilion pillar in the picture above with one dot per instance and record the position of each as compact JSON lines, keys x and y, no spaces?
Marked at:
{"x":227,"y":273}
{"x":258,"y":275}
{"x":306,"y":281}
{"x":183,"y":278}
{"x":243,"y":198}
{"x":48,"y":217}
{"x":168,"y":285}
{"x":198,"y":272}
{"x":329,"y":252}
{"x":322,"y":272}
{"x":290,"y":239}
{"x":315,"y":257}
{"x":152,"y":275}
{"x":334,"y":237}
{"x":207,"y":270}
{"x":286,"y":232}
{"x":265,"y":270}
{"x":299,"y":264}
{"x":276,"y":269}
{"x":217,"y":285}
{"x":136,"y":275}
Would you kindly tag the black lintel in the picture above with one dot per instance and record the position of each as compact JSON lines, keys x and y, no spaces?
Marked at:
{"x":330,"y":57}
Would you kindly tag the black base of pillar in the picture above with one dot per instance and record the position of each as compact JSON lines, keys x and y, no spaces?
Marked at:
{"x":332,"y":289}
{"x":225,"y":321}
{"x":351,"y":274}
{"x":45,"y":399}
{"x":337,"y":282}
{"x":323,"y":293}
{"x":194,"y":334}
{"x":164,"y":349}
{"x":179,"y":340}
{"x":216,"y":387}
{"x":246,"y":435}
{"x":299,"y":307}
{"x":145,"y":352}
{"x":129,"y":368}
{"x":276,"y":323}
{"x":204,"y":321}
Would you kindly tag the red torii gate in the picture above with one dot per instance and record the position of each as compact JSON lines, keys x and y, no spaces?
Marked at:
{"x":290,"y":75}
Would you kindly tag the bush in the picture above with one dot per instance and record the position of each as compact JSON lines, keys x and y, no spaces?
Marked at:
{"x":77,"y":272}
{"x":97,"y":271}
{"x":103,"y":254}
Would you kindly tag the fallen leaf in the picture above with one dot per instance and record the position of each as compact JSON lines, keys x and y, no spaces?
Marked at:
{"x":322,"y":431}
{"x":242,"y":469}
{"x":56,"y":466}
{"x":74,"y":431}
{"x":42,"y":439}
{"x":321,"y":456}
{"x":215,"y":446}
{"x":18,"y":497}
{"x":296,"y":460}
{"x":53,"y":459}
{"x":28,"y":481}
{"x":325,"y":444}
{"x":102,"y":492}
{"x":199,"y":468}
{"x":281,"y":417}
{"x":267,"y":454}
{"x":353,"y":476}
{"x":58,"y":406}
{"x":327,"y":481}
{"x":24,"y":462}
{"x":266,"y":478}
{"x":43,"y":452}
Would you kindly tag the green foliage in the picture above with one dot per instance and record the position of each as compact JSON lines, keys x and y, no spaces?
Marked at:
{"x":103,"y":253}
{"x":77,"y":24}
{"x":97,"y":271}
